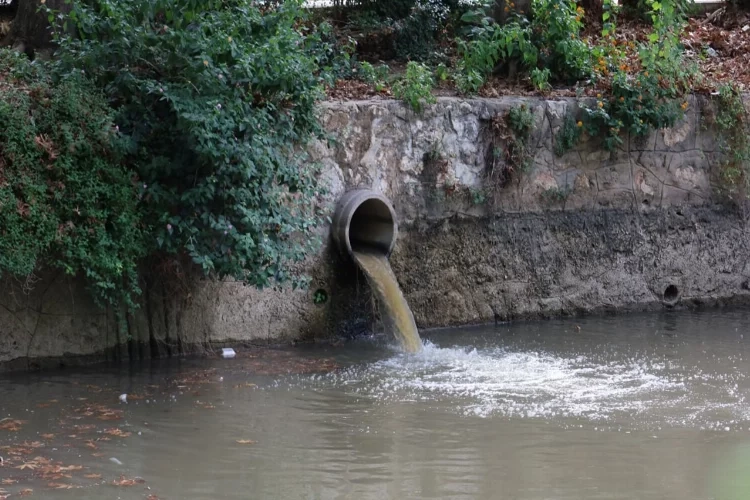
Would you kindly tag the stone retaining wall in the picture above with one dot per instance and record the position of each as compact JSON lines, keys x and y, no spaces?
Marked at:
{"x":590,"y":231}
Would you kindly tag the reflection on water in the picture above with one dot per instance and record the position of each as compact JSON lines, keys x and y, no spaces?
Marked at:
{"x":646,"y":407}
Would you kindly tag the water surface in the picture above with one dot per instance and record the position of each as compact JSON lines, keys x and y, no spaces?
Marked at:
{"x":634,"y":407}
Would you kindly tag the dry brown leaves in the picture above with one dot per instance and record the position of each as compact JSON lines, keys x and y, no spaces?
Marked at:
{"x":355,"y":89}
{"x":62,"y":486}
{"x":729,"y":57}
{"x":99,"y":411}
{"x":126,"y":482}
{"x":9,"y":424}
{"x":282,"y":362}
{"x":117,"y":432}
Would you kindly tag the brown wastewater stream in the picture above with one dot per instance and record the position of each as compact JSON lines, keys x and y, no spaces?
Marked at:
{"x":395,"y":311}
{"x":651,"y":407}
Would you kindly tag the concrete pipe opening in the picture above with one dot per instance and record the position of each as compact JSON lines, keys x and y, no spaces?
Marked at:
{"x":364,"y":219}
{"x":671,"y":296}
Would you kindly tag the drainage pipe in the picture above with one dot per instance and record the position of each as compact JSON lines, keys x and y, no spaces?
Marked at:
{"x":364,"y":219}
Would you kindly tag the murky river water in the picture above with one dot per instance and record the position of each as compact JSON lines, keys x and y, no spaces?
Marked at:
{"x":636,"y":407}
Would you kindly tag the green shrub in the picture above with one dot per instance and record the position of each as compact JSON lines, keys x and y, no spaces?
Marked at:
{"x":655,"y":97}
{"x":548,"y":46}
{"x":415,"y":87}
{"x":568,"y":136}
{"x":215,"y":98}
{"x":332,"y":54}
{"x":490,"y":44}
{"x":509,"y":153}
{"x":733,"y":126}
{"x":556,"y":26}
{"x":66,"y":201}
{"x":521,"y":121}
{"x":555,"y":195}
{"x":540,"y":79}
{"x":441,"y":72}
{"x":412,"y":27}
{"x":377,"y":77}
{"x":636,"y":106}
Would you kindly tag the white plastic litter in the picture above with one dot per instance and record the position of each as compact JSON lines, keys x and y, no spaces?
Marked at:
{"x":123,"y":398}
{"x":115,"y":461}
{"x":228,"y":352}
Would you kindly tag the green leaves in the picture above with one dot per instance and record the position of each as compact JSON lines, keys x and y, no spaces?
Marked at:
{"x":214,"y":102}
{"x":415,"y":87}
{"x":549,"y":43}
{"x":66,"y":200}
{"x":733,"y":128}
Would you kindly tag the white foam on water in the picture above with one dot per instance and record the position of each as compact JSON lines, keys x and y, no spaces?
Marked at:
{"x":496,"y":382}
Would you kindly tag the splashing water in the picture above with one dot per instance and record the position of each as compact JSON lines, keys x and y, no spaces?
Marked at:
{"x":397,"y":315}
{"x":496,"y":382}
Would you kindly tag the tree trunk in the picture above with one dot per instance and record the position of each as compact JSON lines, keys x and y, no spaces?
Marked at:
{"x":31,"y":30}
{"x":594,"y":9}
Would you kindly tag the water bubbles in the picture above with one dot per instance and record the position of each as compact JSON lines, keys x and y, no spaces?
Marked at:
{"x":642,"y":391}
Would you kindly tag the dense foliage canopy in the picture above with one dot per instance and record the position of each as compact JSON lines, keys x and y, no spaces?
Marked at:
{"x":66,"y":199}
{"x":176,"y":128}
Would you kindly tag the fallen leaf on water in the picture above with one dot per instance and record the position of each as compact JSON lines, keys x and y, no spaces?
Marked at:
{"x":8,"y":424}
{"x":245,"y":441}
{"x":61,"y":486}
{"x":92,"y":476}
{"x":9,"y":481}
{"x":117,"y":432}
{"x":47,"y":436}
{"x":152,"y":497}
{"x":27,"y":465}
{"x":71,"y":468}
{"x":123,"y":481}
{"x":51,"y":476}
{"x":26,"y":492}
{"x":84,"y":427}
{"x":109,"y":416}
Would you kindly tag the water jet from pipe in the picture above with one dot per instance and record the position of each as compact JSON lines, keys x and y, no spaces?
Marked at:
{"x":365,"y":227}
